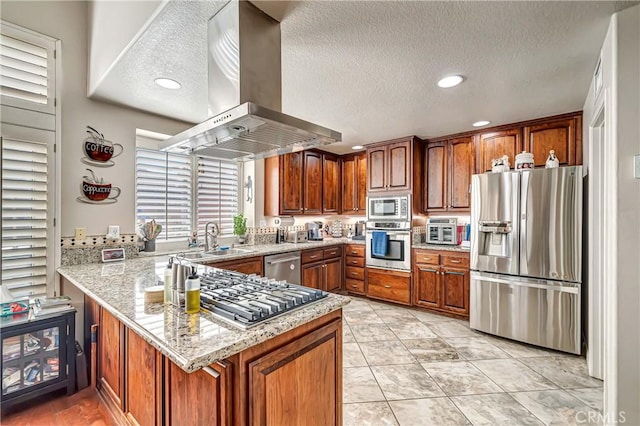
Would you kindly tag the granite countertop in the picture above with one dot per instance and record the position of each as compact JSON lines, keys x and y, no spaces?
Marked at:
{"x":257,"y":250}
{"x":442,"y":247}
{"x":191,"y":341}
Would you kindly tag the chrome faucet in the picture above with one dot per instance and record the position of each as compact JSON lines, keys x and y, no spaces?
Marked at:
{"x":213,"y":234}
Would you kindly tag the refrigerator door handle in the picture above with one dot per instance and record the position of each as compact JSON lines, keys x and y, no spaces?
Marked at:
{"x":524,"y":189}
{"x":573,"y":289}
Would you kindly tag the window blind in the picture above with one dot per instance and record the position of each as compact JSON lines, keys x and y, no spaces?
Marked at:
{"x":163,"y":192}
{"x":217,"y":194}
{"x":25,"y":201}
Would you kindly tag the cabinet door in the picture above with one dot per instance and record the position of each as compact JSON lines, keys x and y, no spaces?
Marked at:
{"x":291,"y":166}
{"x":399,"y":165}
{"x":436,"y":194}
{"x":426,"y":286}
{"x":495,"y":145}
{"x":559,"y":135}
{"x":252,"y":265}
{"x":312,"y":275}
{"x":111,"y":357}
{"x":333,"y":274}
{"x":330,"y":184}
{"x":143,"y":382}
{"x":455,"y":290}
{"x":299,"y":383}
{"x":312,"y":182}
{"x":361,"y":187}
{"x":377,"y":169}
{"x":349,"y":184}
{"x":461,"y":169}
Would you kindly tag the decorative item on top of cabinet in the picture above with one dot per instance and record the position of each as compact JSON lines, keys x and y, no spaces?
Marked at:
{"x":564,"y":136}
{"x":496,"y":144}
{"x":449,"y":165}
{"x":441,"y":281}
{"x":354,"y":183}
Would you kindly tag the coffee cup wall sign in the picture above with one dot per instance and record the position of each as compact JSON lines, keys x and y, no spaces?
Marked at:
{"x":99,"y":151}
{"x":96,"y":191}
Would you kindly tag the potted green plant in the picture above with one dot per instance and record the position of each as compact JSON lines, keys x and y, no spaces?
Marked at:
{"x":240,"y":227}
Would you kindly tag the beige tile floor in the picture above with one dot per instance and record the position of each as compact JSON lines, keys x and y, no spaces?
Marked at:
{"x":411,"y":367}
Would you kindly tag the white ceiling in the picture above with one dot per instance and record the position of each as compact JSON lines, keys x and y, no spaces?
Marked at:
{"x":369,"y":69}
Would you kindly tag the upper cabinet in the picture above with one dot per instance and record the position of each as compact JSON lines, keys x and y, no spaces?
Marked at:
{"x":449,"y":165}
{"x":354,"y":183}
{"x":304,"y":182}
{"x":564,"y":136}
{"x":390,"y":166}
{"x":496,"y":144}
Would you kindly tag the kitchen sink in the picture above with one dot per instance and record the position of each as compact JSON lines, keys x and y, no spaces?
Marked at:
{"x":204,"y":255}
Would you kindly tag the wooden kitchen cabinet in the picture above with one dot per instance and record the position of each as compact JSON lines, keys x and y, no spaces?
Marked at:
{"x":441,"y":281}
{"x":143,"y":381}
{"x":250,"y":265}
{"x":564,"y":136}
{"x":449,"y":166}
{"x":313,"y":183}
{"x":111,"y":360}
{"x":392,"y":286}
{"x":492,"y":145}
{"x":291,"y":181}
{"x":354,"y":275}
{"x":322,"y":268}
{"x":390,"y":167}
{"x":354,"y":184}
{"x":330,"y":182}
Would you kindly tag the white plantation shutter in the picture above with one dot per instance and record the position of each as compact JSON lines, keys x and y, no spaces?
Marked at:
{"x":25,"y":214}
{"x":217,"y":194}
{"x":163,"y":192}
{"x":27,"y":74}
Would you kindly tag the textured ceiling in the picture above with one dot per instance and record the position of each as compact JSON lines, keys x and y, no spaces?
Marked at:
{"x":369,"y":69}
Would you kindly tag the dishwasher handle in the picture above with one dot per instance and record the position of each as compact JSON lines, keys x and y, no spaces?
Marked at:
{"x":288,"y":259}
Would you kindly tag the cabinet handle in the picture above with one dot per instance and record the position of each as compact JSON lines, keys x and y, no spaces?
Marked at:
{"x":354,"y":273}
{"x":428,"y":270}
{"x":213,"y":373}
{"x":455,"y":261}
{"x":354,"y":253}
{"x":354,"y":262}
{"x":453,"y":273}
{"x":354,"y":286}
{"x":313,"y":257}
{"x":387,"y":286}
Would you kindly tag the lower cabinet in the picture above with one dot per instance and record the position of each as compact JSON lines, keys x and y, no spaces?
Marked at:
{"x":392,"y":286}
{"x":322,"y":269}
{"x":441,"y":281}
{"x":110,"y":368}
{"x":354,"y":269}
{"x":143,"y":381}
{"x":250,"y":265}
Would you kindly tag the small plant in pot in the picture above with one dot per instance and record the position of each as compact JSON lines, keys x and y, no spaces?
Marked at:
{"x":240,"y":227}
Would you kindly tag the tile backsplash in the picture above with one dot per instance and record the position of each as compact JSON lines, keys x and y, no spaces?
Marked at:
{"x":89,"y":250}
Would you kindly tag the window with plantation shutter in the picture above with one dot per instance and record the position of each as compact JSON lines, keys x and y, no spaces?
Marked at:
{"x":163,"y":192}
{"x":217,"y":194}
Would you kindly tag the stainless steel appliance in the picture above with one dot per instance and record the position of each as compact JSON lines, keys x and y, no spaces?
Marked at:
{"x":526,"y":256}
{"x":442,"y":230}
{"x":398,"y":254}
{"x":244,"y":67}
{"x":247,"y":300}
{"x":283,"y":267}
{"x":314,"y":231}
{"x":296,"y":237}
{"x":389,"y":208}
{"x":359,"y":230}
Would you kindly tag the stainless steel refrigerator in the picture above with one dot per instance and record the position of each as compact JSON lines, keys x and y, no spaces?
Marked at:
{"x":526,"y":256}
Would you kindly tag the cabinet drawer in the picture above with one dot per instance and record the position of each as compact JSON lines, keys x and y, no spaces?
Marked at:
{"x":354,"y":286}
{"x":355,"y":250}
{"x":332,"y":252}
{"x":355,"y":261}
{"x":427,"y":257}
{"x":391,"y":286}
{"x":311,"y":256}
{"x":455,"y":261}
{"x":354,"y":273}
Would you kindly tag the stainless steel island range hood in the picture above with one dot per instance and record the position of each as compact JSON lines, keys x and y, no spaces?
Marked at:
{"x":245,"y":93}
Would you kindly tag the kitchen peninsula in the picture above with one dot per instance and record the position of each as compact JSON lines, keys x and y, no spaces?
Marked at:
{"x":154,"y":364}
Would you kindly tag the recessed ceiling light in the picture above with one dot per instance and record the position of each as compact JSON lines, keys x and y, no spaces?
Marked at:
{"x":450,"y":81}
{"x":357,"y":147}
{"x":481,"y":123}
{"x":167,"y":83}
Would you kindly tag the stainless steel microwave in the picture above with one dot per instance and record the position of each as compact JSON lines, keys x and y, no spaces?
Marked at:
{"x":389,"y":208}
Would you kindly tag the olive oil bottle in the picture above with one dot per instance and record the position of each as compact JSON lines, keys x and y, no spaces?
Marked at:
{"x":192,"y":292}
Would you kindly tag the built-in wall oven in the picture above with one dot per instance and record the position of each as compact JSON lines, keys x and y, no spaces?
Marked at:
{"x":398,"y":253}
{"x":389,"y":208}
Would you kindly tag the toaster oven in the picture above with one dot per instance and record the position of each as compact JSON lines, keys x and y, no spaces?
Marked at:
{"x":442,"y":231}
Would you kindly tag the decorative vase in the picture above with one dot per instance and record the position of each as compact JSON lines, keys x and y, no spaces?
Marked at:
{"x":150,"y":245}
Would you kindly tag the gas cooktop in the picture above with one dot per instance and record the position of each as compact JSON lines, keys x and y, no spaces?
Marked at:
{"x":246,"y":300}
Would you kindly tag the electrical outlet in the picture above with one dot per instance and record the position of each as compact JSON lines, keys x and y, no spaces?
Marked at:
{"x":81,"y":233}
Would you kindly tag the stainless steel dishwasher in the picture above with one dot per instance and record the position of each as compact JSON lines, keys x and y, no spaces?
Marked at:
{"x":283,"y":267}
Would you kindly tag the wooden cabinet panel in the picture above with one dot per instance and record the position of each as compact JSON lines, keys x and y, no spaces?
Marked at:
{"x":455,"y":289}
{"x":312,"y":275}
{"x":349,"y":184}
{"x":143,"y":382}
{"x":421,"y":256}
{"x":308,"y":256}
{"x":355,"y":250}
{"x":111,"y":357}
{"x":330,"y":184}
{"x":332,"y":252}
{"x":291,"y":167}
{"x":355,"y":273}
{"x":436,"y":184}
{"x":377,"y":169}
{"x":251,"y":265}
{"x":361,"y":188}
{"x":426,"y":286}
{"x":286,"y":383}
{"x":455,"y":261}
{"x":354,"y":261}
{"x":459,"y":176}
{"x":333,"y":274}
{"x":399,"y":166}
{"x":495,"y":145}
{"x":559,"y":135}
{"x":354,"y":286}
{"x":313,"y":186}
{"x":394,"y":286}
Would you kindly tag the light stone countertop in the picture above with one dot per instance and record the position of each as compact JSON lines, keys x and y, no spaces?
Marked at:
{"x":191,"y":341}
{"x":442,"y":247}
